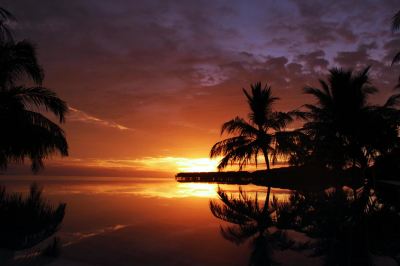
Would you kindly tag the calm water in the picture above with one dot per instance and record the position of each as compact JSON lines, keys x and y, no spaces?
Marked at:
{"x":143,"y":221}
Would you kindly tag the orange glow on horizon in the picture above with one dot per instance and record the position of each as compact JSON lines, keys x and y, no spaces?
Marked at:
{"x":137,"y":166}
{"x":197,"y":165}
{"x":161,"y":164}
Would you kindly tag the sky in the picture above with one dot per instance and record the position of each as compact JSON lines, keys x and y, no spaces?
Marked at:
{"x":149,"y":83}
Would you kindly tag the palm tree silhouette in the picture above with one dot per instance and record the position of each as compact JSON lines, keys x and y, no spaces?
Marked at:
{"x":26,"y":131}
{"x":5,"y":32}
{"x":249,"y":222}
{"x":340,"y":123}
{"x":395,"y":28}
{"x":257,"y":136}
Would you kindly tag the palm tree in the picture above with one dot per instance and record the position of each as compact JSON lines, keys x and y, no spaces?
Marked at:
{"x":396,"y":27}
{"x":341,"y":122}
{"x":5,"y":32}
{"x":26,"y":131}
{"x":257,"y":136}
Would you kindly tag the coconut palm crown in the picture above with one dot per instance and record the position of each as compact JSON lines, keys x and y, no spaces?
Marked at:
{"x":26,"y":132}
{"x":345,"y":128}
{"x":257,"y":136}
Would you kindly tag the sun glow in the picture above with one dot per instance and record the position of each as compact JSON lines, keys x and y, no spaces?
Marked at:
{"x":197,"y":165}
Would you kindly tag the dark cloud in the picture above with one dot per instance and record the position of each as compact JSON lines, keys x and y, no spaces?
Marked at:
{"x":314,"y":61}
{"x":354,"y":59}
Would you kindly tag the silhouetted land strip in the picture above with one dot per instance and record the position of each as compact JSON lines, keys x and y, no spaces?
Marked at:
{"x":304,"y":177}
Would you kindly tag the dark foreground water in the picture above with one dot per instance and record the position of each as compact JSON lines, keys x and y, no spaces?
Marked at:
{"x":144,"y":221}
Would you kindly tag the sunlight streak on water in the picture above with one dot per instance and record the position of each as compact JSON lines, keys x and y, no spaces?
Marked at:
{"x":143,"y":187}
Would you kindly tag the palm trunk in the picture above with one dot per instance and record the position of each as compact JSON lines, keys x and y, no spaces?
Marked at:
{"x":266,"y":205}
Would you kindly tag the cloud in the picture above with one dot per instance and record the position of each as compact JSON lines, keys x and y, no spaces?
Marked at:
{"x":155,"y":164}
{"x":314,"y":60}
{"x":76,"y":115}
{"x":174,"y":70}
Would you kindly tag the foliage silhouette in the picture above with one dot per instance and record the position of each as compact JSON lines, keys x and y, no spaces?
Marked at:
{"x":340,"y":124}
{"x":5,"y":32}
{"x":262,"y":134}
{"x":349,"y":227}
{"x":26,"y":131}
{"x":395,"y":27}
{"x":27,"y":221}
{"x":251,"y":222}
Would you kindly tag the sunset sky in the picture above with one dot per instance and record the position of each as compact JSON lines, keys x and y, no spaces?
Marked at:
{"x":149,"y":83}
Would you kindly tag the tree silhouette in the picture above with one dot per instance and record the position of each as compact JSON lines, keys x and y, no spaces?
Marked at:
{"x":26,"y":131}
{"x":257,"y":136}
{"x":5,"y":32}
{"x":395,"y":28}
{"x":346,"y":130}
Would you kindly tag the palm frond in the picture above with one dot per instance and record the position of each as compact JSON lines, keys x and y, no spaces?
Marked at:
{"x":396,"y":58}
{"x":42,"y":97}
{"x":396,"y":21}
{"x":393,"y":101}
{"x":323,"y":98}
{"x":32,"y":135}
{"x":242,"y":154}
{"x":279,"y":120}
{"x":238,"y":126}
{"x":17,"y":61}
{"x":260,"y":102}
{"x":5,"y":32}
{"x":224,"y":146}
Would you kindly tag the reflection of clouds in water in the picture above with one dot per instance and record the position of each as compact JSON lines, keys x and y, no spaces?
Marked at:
{"x":78,"y":236}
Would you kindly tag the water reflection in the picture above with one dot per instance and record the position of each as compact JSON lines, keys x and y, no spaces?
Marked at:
{"x":25,"y":224}
{"x":249,"y":221}
{"x":144,"y":187}
{"x":350,"y":228}
{"x":346,"y":227}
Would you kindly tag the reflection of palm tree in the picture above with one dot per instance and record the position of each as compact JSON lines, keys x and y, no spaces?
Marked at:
{"x":249,"y":222}
{"x":44,"y":219}
{"x":348,"y":228}
{"x":254,"y":137}
{"x":26,"y":132}
{"x":25,"y":222}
